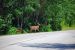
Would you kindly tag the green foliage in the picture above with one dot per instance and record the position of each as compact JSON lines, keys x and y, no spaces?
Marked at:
{"x":1,"y":21}
{"x":52,"y":15}
{"x":45,"y":28}
{"x":3,"y":27}
{"x":29,"y":9}
{"x":12,"y":30}
{"x":18,"y":12}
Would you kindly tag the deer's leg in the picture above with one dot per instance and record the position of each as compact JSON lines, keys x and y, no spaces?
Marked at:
{"x":35,"y":30}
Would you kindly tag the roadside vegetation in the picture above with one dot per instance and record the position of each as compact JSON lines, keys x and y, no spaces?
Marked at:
{"x":17,"y":16}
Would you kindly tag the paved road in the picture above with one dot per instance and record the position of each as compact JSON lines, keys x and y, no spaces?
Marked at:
{"x":59,"y":40}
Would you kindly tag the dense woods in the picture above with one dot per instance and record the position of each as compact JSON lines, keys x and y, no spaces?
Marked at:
{"x":17,"y":16}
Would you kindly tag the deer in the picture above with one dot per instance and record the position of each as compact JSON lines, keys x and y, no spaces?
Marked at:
{"x":34,"y":28}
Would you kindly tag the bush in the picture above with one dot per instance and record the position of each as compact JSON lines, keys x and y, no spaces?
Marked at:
{"x":12,"y":30}
{"x":3,"y":27}
{"x":45,"y":28}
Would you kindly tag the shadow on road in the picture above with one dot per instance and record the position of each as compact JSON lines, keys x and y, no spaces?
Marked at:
{"x":46,"y":45}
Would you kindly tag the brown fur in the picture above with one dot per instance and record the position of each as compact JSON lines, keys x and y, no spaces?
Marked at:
{"x":34,"y":28}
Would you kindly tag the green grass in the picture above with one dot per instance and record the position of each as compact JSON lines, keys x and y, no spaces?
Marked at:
{"x":68,"y":28}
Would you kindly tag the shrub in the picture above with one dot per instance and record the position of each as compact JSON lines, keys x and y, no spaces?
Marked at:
{"x":45,"y":28}
{"x":12,"y":30}
{"x":3,"y":27}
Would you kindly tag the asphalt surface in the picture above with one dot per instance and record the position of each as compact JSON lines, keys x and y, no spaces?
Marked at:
{"x":58,"y":40}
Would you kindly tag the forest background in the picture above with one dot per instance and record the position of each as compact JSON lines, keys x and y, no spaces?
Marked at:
{"x":52,"y":15}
